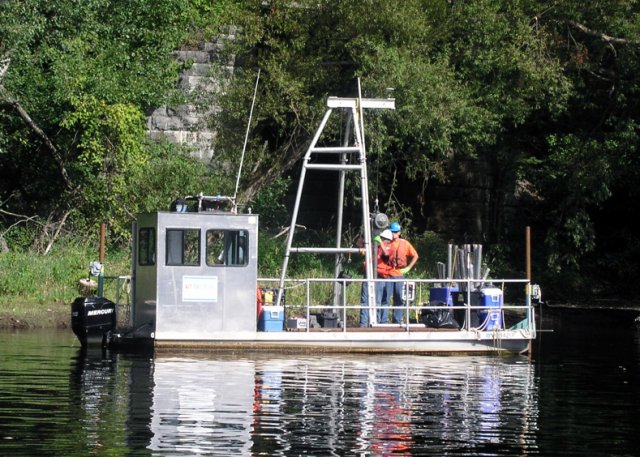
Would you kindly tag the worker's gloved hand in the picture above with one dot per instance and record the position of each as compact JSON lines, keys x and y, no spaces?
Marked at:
{"x":377,"y":239}
{"x":405,"y":270}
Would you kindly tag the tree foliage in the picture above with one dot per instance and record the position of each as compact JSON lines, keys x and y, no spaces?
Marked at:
{"x":541,"y":91}
{"x":541,"y":94}
{"x":73,"y":100}
{"x":589,"y":160}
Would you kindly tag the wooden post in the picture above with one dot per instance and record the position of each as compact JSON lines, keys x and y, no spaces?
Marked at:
{"x":101,"y":260}
{"x":103,"y":229}
{"x":528,"y":251}
{"x":528,"y":290}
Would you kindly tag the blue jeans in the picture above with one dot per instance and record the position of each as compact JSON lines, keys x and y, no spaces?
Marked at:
{"x":398,"y":303}
{"x":383,"y":292}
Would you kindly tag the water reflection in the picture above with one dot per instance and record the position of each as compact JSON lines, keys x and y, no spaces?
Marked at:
{"x":326,"y":405}
{"x":112,"y":395}
{"x":202,"y":405}
{"x":579,"y":395}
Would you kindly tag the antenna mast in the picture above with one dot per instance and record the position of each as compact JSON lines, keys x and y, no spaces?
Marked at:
{"x":246,"y":137}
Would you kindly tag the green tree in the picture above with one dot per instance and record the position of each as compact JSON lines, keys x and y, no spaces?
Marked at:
{"x":80,"y":77}
{"x":587,"y":166}
{"x":469,"y":78}
{"x":540,"y":94}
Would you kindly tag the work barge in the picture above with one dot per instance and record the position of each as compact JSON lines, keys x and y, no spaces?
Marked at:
{"x":194,"y":281}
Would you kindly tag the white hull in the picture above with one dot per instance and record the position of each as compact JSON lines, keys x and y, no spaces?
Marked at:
{"x":426,"y":342}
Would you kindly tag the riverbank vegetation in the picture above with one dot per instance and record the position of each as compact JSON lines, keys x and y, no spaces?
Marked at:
{"x":536,"y":99}
{"x":38,"y":290}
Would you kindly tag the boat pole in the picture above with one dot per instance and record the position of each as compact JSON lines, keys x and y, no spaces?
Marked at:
{"x":528,"y":252}
{"x":527,"y":296}
{"x":339,"y":288}
{"x":370,"y":270}
{"x":103,"y":229}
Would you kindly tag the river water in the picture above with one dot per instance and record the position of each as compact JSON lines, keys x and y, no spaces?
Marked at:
{"x":579,"y":394}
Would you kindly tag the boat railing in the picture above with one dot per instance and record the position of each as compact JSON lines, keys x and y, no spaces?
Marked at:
{"x":309,"y":297}
{"x":120,"y":288}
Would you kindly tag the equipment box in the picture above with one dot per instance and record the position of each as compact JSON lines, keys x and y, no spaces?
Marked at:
{"x":441,"y":296}
{"x":296,"y":323}
{"x":271,"y":319}
{"x":328,"y":319}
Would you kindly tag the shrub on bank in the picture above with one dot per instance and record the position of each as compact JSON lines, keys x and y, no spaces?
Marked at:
{"x":32,"y":286}
{"x":35,"y":286}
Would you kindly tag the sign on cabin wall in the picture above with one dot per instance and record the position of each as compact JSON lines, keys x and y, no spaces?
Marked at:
{"x":200,"y":288}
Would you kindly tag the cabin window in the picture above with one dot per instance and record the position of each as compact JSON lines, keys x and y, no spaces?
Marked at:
{"x":227,"y":247}
{"x":147,"y":246}
{"x":183,"y":247}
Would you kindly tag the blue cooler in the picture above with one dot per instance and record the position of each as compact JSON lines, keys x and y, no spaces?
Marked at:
{"x":441,"y":295}
{"x":491,"y":298}
{"x":271,"y":319}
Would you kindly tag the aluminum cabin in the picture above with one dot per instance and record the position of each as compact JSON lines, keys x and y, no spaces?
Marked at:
{"x":194,"y":274}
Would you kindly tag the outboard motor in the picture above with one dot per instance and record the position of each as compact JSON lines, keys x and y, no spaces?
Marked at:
{"x":93,"y":319}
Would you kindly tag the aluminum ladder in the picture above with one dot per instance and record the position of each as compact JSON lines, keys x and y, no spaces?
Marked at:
{"x":353,"y":148}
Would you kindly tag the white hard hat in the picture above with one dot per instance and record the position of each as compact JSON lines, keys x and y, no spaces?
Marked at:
{"x":386,"y":234}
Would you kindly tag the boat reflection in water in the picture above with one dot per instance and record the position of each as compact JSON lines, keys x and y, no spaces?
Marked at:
{"x":252,"y":404}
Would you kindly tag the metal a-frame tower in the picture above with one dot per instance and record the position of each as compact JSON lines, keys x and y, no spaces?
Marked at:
{"x":353,"y":159}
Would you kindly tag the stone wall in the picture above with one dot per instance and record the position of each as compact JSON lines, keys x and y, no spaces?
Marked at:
{"x":187,"y":124}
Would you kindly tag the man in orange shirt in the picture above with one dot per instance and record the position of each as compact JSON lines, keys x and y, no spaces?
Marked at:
{"x":383,"y":290}
{"x":399,"y":251}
